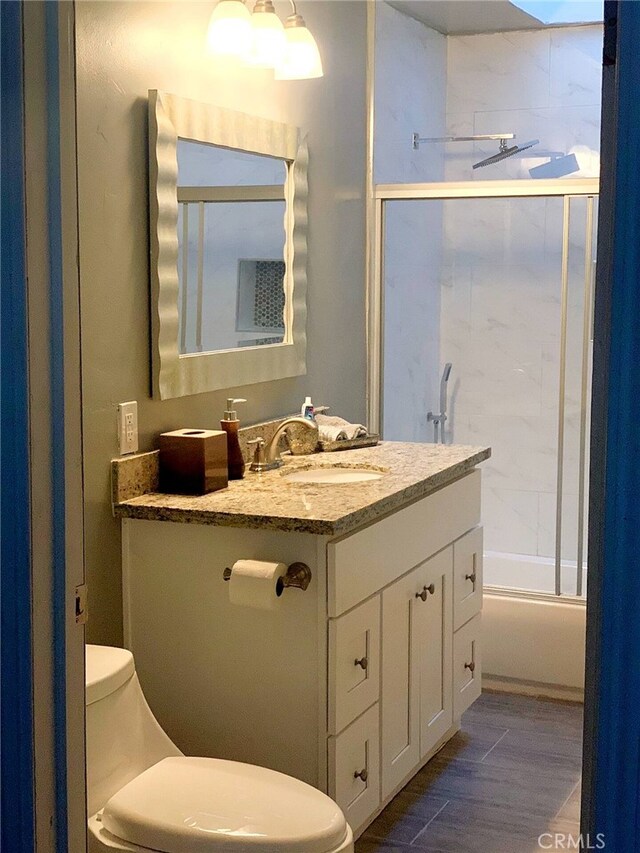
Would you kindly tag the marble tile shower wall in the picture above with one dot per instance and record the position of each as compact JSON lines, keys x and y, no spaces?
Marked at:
{"x":500,"y":294}
{"x":478,"y":282}
{"x":501,"y":322}
{"x":410,"y":95}
{"x":411,"y":345}
{"x":539,"y":85}
{"x":411,"y":69}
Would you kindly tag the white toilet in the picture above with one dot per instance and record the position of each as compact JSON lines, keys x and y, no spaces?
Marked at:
{"x":144,"y":795}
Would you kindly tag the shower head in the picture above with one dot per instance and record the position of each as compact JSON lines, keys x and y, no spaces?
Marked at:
{"x":447,"y":371}
{"x":504,"y":152}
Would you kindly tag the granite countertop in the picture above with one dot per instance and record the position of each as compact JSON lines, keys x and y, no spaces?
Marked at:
{"x":268,"y":501}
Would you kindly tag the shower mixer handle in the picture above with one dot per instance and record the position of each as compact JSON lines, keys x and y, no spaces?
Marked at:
{"x":438,"y":421}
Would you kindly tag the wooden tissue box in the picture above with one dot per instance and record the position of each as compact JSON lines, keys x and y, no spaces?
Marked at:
{"x":193,"y":461}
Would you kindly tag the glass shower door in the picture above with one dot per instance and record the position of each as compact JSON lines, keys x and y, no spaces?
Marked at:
{"x":500,"y":288}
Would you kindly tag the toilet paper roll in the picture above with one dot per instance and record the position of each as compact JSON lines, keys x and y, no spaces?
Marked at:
{"x":253,"y":583}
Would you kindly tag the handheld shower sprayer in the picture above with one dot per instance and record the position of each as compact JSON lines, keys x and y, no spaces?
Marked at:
{"x":440,"y":418}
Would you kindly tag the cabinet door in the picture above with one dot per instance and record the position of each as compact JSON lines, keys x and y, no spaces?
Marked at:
{"x":433,"y":630}
{"x":400,"y":720}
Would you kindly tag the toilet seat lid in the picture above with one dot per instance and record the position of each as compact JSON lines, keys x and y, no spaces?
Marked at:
{"x":200,"y":805}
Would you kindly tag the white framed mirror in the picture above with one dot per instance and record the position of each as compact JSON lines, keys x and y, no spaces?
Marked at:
{"x":228,"y":217}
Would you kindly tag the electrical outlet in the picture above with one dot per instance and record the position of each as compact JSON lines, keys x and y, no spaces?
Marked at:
{"x":128,"y":427}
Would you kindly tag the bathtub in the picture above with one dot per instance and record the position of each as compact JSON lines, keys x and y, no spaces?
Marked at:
{"x":524,"y":573}
{"x":533,"y":642}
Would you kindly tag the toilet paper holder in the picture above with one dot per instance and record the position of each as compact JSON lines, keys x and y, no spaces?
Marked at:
{"x":298,"y":576}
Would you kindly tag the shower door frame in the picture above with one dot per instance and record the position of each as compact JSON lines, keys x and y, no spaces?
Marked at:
{"x":588,"y":188}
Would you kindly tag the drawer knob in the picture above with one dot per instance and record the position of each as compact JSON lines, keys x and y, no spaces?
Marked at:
{"x":362,"y":662}
{"x":425,"y":591}
{"x":361,"y":774}
{"x":470,"y":666}
{"x":471,"y":577}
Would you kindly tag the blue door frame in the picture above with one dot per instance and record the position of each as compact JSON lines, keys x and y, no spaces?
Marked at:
{"x":611,"y":784}
{"x":17,"y":815}
{"x":16,"y":714}
{"x":611,"y":805}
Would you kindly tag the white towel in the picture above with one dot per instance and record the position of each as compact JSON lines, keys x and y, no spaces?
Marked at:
{"x":331,"y":428}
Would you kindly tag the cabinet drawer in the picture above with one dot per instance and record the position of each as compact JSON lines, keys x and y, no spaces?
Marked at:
{"x":354,"y":768}
{"x":366,"y":561}
{"x":467,"y":666}
{"x":467,"y":577}
{"x":354,"y":663}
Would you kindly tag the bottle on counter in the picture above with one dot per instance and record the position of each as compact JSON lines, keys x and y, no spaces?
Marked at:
{"x":307,"y":410}
{"x":230,"y":424}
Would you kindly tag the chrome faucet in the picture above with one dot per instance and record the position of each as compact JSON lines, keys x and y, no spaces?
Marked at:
{"x":268,"y":458}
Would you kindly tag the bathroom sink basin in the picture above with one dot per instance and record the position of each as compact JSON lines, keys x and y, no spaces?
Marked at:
{"x":336,"y":476}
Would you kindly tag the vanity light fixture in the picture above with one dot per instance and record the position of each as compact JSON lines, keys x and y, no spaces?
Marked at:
{"x":230,"y":29}
{"x":268,"y":40}
{"x":262,"y":41}
{"x":301,"y":59}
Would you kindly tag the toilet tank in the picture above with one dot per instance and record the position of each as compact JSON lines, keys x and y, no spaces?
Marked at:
{"x":123,"y":736}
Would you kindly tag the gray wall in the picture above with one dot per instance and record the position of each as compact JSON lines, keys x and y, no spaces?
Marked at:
{"x":501,"y":284}
{"x":124,"y":49}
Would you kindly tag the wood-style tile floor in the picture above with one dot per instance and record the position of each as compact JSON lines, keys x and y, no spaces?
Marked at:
{"x":510,"y":774}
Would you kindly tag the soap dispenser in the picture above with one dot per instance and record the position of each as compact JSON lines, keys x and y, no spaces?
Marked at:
{"x":230,"y":424}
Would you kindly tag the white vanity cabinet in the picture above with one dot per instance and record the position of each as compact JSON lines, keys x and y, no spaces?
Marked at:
{"x":352,"y":685}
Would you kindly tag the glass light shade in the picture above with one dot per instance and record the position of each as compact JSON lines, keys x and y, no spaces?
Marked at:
{"x":268,"y":41}
{"x":301,"y":56}
{"x":229,"y":32}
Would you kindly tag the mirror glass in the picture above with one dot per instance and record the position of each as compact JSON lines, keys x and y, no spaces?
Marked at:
{"x":231,"y":248}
